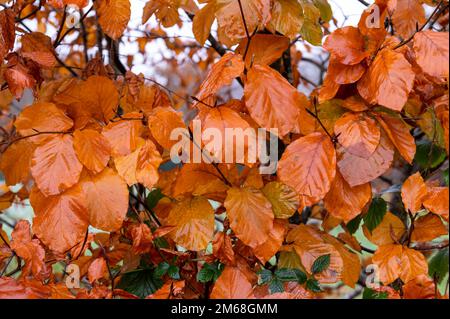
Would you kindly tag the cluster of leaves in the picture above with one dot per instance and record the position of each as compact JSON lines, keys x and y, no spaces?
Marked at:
{"x":367,"y":150}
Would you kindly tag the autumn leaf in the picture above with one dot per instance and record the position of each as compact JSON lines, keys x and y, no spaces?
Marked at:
{"x":15,"y":162}
{"x":346,"y":45}
{"x":345,"y":202}
{"x":7,"y":33}
{"x":193,"y":219}
{"x":162,"y":122}
{"x":251,"y":216}
{"x":38,"y":47}
{"x":397,"y":261}
{"x":114,"y":16}
{"x":358,"y":170}
{"x":431,"y":49}
{"x":283,"y":198}
{"x":436,"y":201}
{"x":309,"y":166}
{"x":264,"y":89}
{"x":407,"y":15}
{"x":92,"y":149}
{"x":203,"y":21}
{"x":106,"y":198}
{"x":232,"y":284}
{"x":358,"y":134}
{"x":60,"y":221}
{"x":389,"y":231}
{"x":414,"y":192}
{"x":428,"y":228}
{"x":287,"y":17}
{"x":55,"y":166}
{"x":388,"y":81}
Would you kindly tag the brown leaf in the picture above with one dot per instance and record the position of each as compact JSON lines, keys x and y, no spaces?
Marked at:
{"x":428,"y":228}
{"x":346,"y":45}
{"x":113,"y":16}
{"x":431,"y":49}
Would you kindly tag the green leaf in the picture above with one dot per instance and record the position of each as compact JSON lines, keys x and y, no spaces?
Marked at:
{"x":276,"y":286}
{"x":372,"y":294}
{"x":287,"y":274}
{"x":321,"y":264}
{"x":353,"y":225}
{"x":438,"y":265}
{"x":429,"y":155}
{"x":265,"y":276}
{"x":445,"y":176}
{"x":376,"y":213}
{"x":174,"y":272}
{"x":162,"y":269}
{"x":209,"y":272}
{"x":153,"y":198}
{"x":313,"y":285}
{"x":324,"y":7}
{"x":141,"y":283}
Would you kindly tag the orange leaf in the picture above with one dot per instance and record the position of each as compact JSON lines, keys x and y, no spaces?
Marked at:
{"x":229,"y":17}
{"x":60,"y":221}
{"x":264,"y":90}
{"x":123,"y":136}
{"x":398,"y":133}
{"x":397,"y":261}
{"x":345,"y":74}
{"x":407,"y":15}
{"x":222,"y":73}
{"x":414,"y":192}
{"x":113,"y":16}
{"x":15,"y":162}
{"x":428,"y":228}
{"x":345,"y":202}
{"x":203,"y":21}
{"x":30,"y":250}
{"x":358,"y":133}
{"x":436,"y":201}
{"x":232,"y":284}
{"x":55,"y":166}
{"x":431,"y":49}
{"x":264,"y":49}
{"x":389,"y":231}
{"x":42,"y":117}
{"x":38,"y":47}
{"x":106,"y":197}
{"x":309,"y":166}
{"x":162,"y":122}
{"x":223,"y":249}
{"x":359,"y":170}
{"x":7,"y":32}
{"x":346,"y":46}
{"x":92,"y":148}
{"x":250,"y":214}
{"x":388,"y":81}
{"x":97,"y":269}
{"x":193,"y":219}
{"x":273,"y":243}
